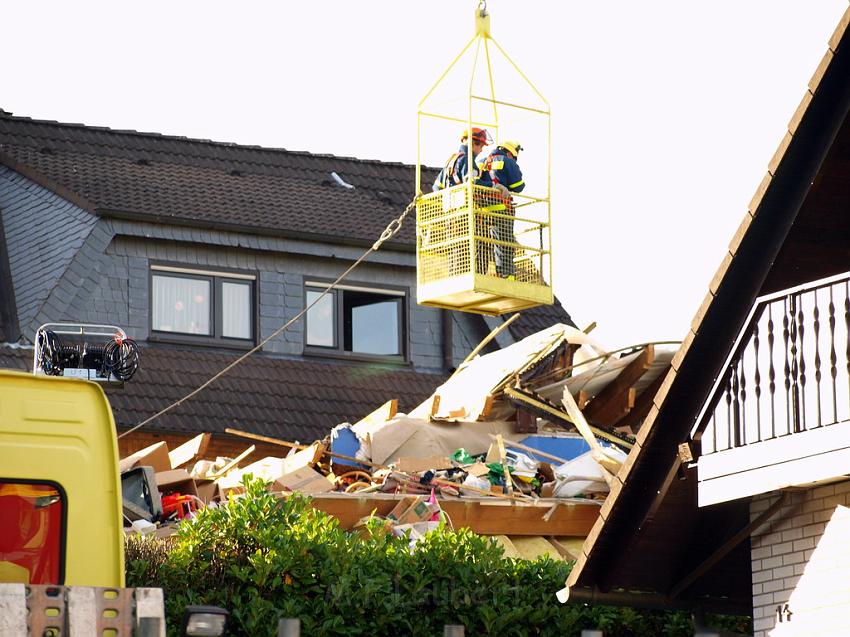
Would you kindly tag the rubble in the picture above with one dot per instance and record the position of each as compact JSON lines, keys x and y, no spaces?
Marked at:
{"x":523,"y":441}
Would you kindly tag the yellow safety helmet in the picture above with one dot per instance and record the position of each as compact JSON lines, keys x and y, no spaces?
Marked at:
{"x":513,"y":147}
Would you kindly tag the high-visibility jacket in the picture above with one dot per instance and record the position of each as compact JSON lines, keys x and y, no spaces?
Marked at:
{"x":502,"y":169}
{"x":456,"y":170}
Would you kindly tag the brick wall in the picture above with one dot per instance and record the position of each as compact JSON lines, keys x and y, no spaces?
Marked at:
{"x":801,"y":564}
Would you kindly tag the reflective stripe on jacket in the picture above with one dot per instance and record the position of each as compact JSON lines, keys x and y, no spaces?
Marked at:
{"x":503,"y":169}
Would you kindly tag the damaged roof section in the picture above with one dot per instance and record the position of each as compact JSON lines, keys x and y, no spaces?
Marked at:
{"x":472,"y":447}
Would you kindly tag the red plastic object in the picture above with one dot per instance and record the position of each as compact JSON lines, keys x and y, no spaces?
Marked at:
{"x":182,"y":505}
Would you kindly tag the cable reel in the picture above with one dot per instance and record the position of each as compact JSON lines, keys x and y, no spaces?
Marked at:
{"x":100,"y":353}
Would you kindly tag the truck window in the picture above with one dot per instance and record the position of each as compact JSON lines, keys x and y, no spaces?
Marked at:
{"x":31,"y":532}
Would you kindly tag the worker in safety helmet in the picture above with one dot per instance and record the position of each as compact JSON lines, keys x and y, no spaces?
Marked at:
{"x":456,"y":170}
{"x":503,"y":171}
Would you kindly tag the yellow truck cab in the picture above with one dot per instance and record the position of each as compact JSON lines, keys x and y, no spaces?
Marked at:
{"x":60,"y":490}
{"x":61,"y":530}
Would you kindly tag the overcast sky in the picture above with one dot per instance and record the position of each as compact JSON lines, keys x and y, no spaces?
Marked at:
{"x":665,"y":113}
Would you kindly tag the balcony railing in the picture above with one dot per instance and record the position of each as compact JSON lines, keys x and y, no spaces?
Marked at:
{"x":789,"y":371}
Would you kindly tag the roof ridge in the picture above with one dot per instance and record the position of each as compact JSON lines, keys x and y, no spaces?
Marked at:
{"x":197,"y":140}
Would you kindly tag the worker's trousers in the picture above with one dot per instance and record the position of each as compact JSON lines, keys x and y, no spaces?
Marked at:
{"x":502,"y":230}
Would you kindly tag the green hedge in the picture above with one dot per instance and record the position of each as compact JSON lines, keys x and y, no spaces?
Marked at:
{"x":264,"y":558}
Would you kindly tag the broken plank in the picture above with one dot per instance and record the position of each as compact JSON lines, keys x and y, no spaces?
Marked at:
{"x":295,"y":445}
{"x":230,"y":465}
{"x":615,"y":409}
{"x":643,"y":404}
{"x":527,"y":449}
{"x":551,"y":412}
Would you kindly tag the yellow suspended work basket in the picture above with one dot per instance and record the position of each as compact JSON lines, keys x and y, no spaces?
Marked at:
{"x":461,"y":229}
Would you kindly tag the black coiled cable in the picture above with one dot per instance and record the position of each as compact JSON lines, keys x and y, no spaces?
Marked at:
{"x":121,"y":359}
{"x":50,"y":353}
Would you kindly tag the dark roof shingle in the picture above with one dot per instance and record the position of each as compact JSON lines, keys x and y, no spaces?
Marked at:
{"x":212,"y":183}
{"x":286,"y":398}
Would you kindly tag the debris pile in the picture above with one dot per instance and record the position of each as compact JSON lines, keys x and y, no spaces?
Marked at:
{"x":546,"y":421}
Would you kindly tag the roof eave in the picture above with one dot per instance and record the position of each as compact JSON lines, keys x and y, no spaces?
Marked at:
{"x":128,"y":215}
{"x":734,"y":289}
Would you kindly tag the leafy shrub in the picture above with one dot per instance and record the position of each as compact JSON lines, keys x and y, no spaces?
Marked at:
{"x":265,"y":558}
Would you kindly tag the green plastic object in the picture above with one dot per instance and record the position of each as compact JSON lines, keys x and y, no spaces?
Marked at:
{"x":462,"y":457}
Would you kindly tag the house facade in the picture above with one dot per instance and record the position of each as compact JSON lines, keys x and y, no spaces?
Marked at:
{"x":202,"y":251}
{"x":735,"y":498}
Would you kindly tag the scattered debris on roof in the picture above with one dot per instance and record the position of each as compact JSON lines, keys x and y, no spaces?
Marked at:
{"x":524,"y":441}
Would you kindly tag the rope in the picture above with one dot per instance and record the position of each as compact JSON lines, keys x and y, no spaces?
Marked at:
{"x":392,"y":228}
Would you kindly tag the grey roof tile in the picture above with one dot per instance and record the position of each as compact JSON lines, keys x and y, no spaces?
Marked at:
{"x":285,"y":398}
{"x":213,"y":183}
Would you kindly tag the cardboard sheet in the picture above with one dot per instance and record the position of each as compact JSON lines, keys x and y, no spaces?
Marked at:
{"x":378,"y":440}
{"x":443,"y":439}
{"x":176,"y":481}
{"x":416,"y":465}
{"x":284,"y":473}
{"x":155,"y":456}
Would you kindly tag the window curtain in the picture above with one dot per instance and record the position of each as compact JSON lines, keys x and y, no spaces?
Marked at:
{"x":181,"y":305}
{"x":235,"y":310}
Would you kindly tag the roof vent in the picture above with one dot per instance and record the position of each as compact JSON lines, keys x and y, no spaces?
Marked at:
{"x":45,"y":150}
{"x":341,"y":182}
{"x":236,"y":173}
{"x":143,"y":161}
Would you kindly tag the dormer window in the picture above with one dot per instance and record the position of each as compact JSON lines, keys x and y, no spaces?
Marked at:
{"x":355,"y":321}
{"x":202,"y":306}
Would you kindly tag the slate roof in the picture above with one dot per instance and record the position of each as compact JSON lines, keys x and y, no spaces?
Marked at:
{"x":539,"y":318}
{"x":187,"y":181}
{"x":288,"y":398}
{"x":201,"y":182}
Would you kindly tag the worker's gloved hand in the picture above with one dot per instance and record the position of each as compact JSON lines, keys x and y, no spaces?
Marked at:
{"x":503,"y":190}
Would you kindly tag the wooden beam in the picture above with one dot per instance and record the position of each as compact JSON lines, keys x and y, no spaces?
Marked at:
{"x":643,"y":404}
{"x":527,"y":449}
{"x":616,"y":407}
{"x":557,"y":415}
{"x":230,"y":465}
{"x":295,"y":445}
{"x":487,"y":515}
{"x":609,"y":402}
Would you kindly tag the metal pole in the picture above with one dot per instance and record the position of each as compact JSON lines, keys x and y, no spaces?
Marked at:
{"x":289,"y":628}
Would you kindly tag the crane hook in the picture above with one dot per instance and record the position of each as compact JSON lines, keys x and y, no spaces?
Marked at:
{"x":482,"y":8}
